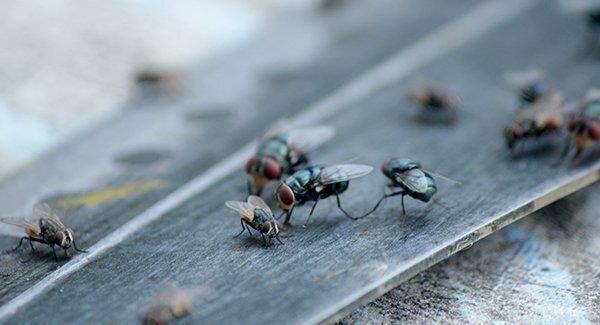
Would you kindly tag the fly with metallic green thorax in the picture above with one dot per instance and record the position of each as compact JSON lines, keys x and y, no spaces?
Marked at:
{"x":256,"y":214}
{"x":315,"y":183}
{"x":46,"y":228}
{"x":281,"y":152}
{"x":584,"y":125}
{"x":407,"y":177}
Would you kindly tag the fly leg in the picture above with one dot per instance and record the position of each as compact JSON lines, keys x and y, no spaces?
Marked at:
{"x":403,"y":209}
{"x":243,"y":228}
{"x":21,"y":243}
{"x":264,"y":240}
{"x":382,"y":199}
{"x":311,"y":211}
{"x":288,"y":216}
{"x":54,"y":252}
{"x":564,"y":153}
{"x":77,"y":249}
{"x":337,"y":198}
{"x":278,"y":239}
{"x":577,"y":157}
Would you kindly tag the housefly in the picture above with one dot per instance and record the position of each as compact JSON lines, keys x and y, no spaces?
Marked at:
{"x":530,"y":85}
{"x":584,"y":125}
{"x":256,"y":214}
{"x":407,"y":177}
{"x":435,"y":101}
{"x":543,"y":116}
{"x":46,"y":228}
{"x":315,"y":183}
{"x":169,"y":304}
{"x":281,"y":152}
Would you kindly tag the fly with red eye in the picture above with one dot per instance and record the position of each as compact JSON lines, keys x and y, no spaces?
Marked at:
{"x":280,"y":152}
{"x":543,"y":116}
{"x":583,"y":126}
{"x":256,"y":214}
{"x":46,"y":228}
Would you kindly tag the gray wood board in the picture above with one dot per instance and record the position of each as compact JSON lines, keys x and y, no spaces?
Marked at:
{"x":173,"y":137}
{"x":542,"y":269}
{"x":335,"y":264}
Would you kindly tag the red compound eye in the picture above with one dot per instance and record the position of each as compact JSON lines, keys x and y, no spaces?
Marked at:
{"x":385,"y":164}
{"x":285,"y":195}
{"x":573,"y":124}
{"x":265,"y":227}
{"x":593,"y":130}
{"x":249,"y":164}
{"x":58,"y":237}
{"x":271,"y":169}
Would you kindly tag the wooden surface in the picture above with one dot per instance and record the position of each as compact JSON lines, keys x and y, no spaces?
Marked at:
{"x":542,"y":269}
{"x":333,"y":265}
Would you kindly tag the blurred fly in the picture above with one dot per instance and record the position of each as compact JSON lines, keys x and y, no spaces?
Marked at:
{"x":315,"y":183}
{"x":256,"y":214}
{"x":169,"y":304}
{"x":407,"y":177}
{"x":530,"y":85}
{"x":435,"y":100}
{"x":543,"y":116}
{"x":46,"y":228}
{"x":584,"y":125}
{"x":281,"y":152}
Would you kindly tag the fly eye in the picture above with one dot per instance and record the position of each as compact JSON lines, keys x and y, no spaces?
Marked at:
{"x":271,"y":169}
{"x":58,"y":237}
{"x":265,"y":227}
{"x":285,"y":195}
{"x":593,"y":130}
{"x":573,"y":124}
{"x":249,"y":164}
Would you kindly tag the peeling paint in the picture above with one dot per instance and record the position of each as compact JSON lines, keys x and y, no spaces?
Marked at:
{"x":108,"y":194}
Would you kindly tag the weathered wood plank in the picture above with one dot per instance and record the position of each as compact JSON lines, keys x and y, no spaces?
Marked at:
{"x":335,"y":264}
{"x":167,"y":141}
{"x":541,"y":269}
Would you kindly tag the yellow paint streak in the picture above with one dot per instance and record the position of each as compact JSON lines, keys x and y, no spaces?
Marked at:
{"x":113,"y":193}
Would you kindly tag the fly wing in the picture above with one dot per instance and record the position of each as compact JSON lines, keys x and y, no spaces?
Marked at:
{"x":256,"y":201}
{"x":414,"y":179}
{"x":547,"y":111}
{"x":31,"y":226}
{"x":307,"y":139}
{"x":43,"y":210}
{"x":280,"y":126}
{"x":245,"y":209}
{"x":340,"y":173}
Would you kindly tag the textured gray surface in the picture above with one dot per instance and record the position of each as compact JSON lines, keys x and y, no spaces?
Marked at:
{"x":243,"y":94}
{"x":543,"y":269}
{"x":334,"y":262}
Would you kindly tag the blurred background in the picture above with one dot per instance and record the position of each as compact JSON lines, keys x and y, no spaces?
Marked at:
{"x":67,"y":65}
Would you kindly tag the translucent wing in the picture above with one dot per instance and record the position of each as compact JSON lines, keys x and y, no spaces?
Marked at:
{"x":245,"y":209}
{"x":546,"y":111}
{"x":31,"y":226}
{"x":340,"y":173}
{"x":307,"y":139}
{"x":256,"y":201}
{"x":43,"y":210}
{"x":414,"y":179}
{"x":444,"y":177}
{"x":279,"y":127}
